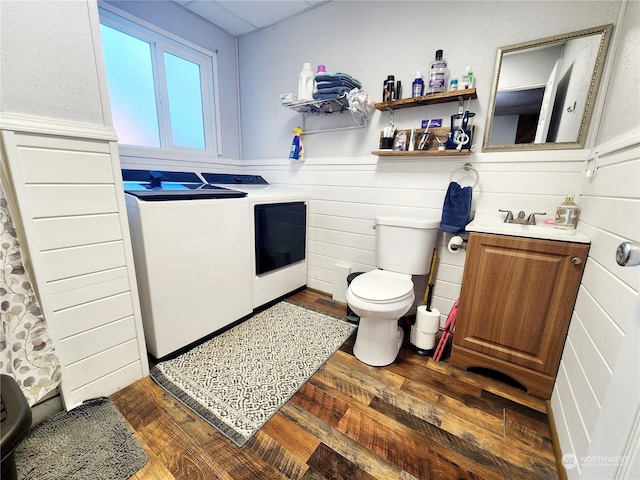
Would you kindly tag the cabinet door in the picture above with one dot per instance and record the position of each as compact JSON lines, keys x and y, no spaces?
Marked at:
{"x":517,"y":299}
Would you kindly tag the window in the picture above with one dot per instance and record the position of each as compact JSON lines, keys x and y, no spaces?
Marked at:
{"x":161,"y":89}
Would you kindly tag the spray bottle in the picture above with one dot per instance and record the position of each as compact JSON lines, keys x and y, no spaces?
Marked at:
{"x":297,"y":150}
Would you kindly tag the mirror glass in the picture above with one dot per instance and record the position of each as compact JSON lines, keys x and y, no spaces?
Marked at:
{"x":544,"y":91}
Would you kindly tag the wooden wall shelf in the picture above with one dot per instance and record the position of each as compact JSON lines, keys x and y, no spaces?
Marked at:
{"x":430,"y":99}
{"x":421,"y":153}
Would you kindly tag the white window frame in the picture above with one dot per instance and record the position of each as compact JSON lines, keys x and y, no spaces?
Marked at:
{"x":162,"y":41}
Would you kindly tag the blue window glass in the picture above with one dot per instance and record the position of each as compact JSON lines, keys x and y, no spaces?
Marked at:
{"x":185,"y":101}
{"x":131,"y":88}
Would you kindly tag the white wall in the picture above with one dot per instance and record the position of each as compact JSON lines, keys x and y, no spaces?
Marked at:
{"x":348,"y":185}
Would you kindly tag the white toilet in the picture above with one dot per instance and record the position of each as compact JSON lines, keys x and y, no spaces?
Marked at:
{"x":404,"y":247}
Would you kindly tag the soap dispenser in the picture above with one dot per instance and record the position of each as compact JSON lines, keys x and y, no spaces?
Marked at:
{"x":567,"y":214}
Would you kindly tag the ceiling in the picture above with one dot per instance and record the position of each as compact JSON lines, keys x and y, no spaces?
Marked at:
{"x":239,"y":17}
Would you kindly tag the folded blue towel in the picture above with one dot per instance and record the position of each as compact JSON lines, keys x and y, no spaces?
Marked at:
{"x":457,"y":208}
{"x":326,"y":96}
{"x":337,"y":90}
{"x":344,"y":79}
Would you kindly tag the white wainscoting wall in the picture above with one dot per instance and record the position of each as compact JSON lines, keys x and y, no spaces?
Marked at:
{"x":347,"y":193}
{"x":74,"y":227}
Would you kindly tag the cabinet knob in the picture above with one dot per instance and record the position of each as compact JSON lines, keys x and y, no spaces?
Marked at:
{"x":576,"y":260}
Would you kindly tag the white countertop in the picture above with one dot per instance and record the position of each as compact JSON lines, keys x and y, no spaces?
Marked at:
{"x":493,"y":222}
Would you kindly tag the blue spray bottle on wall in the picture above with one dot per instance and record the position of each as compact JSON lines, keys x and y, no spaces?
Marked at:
{"x":297,"y":150}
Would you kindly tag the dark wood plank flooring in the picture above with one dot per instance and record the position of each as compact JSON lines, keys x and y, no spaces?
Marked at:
{"x":415,"y":418}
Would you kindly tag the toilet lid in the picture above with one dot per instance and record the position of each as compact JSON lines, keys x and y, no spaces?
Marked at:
{"x":381,"y":286}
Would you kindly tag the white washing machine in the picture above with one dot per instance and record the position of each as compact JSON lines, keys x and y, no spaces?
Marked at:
{"x":190,"y":245}
{"x":278,"y":228}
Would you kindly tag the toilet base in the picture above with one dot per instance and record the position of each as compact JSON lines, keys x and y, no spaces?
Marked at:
{"x":378,"y":341}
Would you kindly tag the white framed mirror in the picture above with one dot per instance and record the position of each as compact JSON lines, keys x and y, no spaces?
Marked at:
{"x":544,"y":91}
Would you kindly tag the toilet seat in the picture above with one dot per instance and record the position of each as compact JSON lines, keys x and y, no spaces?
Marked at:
{"x":382,"y":286}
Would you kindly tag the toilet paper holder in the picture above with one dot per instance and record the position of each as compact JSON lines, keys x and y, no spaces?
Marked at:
{"x":456,"y":243}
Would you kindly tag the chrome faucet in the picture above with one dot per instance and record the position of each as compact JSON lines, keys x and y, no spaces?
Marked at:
{"x":520,"y":219}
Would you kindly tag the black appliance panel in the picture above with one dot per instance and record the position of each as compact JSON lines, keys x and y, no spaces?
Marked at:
{"x":231,"y":178}
{"x":280,"y":235}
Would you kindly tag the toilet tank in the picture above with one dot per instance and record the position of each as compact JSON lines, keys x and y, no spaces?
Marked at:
{"x":405,"y":244}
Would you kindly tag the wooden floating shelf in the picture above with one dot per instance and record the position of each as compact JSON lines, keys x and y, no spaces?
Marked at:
{"x":430,"y":99}
{"x":421,"y":153}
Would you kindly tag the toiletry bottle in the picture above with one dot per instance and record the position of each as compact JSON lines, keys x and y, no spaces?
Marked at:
{"x":398,"y":90}
{"x":391,"y":89}
{"x":417,"y":87}
{"x":305,"y":83}
{"x":453,"y":85}
{"x":321,"y":70}
{"x":467,"y":79}
{"x":438,"y":74}
{"x":567,"y":214}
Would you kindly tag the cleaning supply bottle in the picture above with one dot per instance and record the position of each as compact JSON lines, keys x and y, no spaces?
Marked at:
{"x":438,"y":74}
{"x":305,"y":83}
{"x":467,"y":79}
{"x":417,"y":87}
{"x":567,"y":214}
{"x":297,"y":149}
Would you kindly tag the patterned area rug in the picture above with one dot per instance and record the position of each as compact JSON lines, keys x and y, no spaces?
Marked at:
{"x":237,"y":380}
{"x":91,"y":441}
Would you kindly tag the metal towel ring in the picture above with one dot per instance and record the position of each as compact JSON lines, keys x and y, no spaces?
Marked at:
{"x":466,"y":167}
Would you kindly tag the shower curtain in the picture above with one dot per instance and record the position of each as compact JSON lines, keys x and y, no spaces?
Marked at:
{"x":26,"y":350}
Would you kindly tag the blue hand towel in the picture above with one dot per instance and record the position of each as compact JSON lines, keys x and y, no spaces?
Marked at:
{"x":457,"y":208}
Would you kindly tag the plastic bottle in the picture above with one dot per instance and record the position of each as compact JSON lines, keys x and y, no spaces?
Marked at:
{"x":398,"y":90}
{"x":417,"y":87}
{"x":391,"y":89}
{"x":453,"y":85}
{"x":438,"y":74}
{"x":305,"y":83}
{"x":467,"y":79}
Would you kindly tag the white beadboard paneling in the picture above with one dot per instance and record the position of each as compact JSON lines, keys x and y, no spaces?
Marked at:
{"x":69,"y":292}
{"x":88,"y":316}
{"x":108,"y":384}
{"x":449,"y":273}
{"x":62,"y":232}
{"x":92,"y":342}
{"x":614,"y":297}
{"x":71,"y":262}
{"x":624,"y":176}
{"x":603,"y":248}
{"x":97,"y":366}
{"x":589,"y":405}
{"x":604,"y":331}
{"x":66,"y":200}
{"x":593,"y":363}
{"x":446,"y":290}
{"x":341,"y":224}
{"x":65,"y":166}
{"x":562,"y":403}
{"x":336,"y":237}
{"x":339,"y":252}
{"x":615,"y":215}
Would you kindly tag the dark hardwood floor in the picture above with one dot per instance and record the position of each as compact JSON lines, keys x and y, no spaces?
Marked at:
{"x":415,"y":418}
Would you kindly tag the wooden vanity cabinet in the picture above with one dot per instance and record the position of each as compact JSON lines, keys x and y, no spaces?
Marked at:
{"x":516,"y":303}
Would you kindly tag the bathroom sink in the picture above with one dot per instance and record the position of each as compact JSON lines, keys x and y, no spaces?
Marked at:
{"x":488,"y":222}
